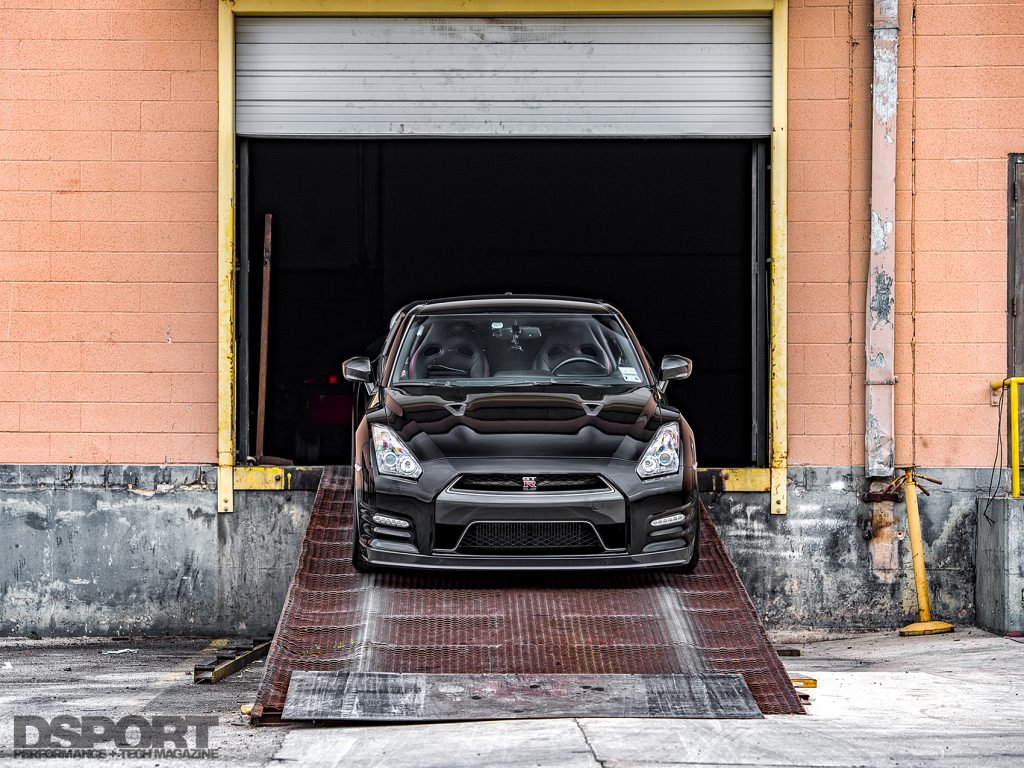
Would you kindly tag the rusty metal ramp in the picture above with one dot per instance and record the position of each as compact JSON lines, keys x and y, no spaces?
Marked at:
{"x":508,"y":632}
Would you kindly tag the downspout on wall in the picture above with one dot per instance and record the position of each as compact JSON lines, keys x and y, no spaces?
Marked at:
{"x":879,"y":340}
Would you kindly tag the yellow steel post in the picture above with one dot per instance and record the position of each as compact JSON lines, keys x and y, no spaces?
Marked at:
{"x":226,"y":259}
{"x":1014,"y":438}
{"x":767,"y":479}
{"x":778,"y":350}
{"x":925,"y":626}
{"x":442,"y":8}
{"x":1013,"y":383}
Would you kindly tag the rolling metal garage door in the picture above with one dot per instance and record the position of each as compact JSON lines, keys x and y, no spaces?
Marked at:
{"x":501,"y":77}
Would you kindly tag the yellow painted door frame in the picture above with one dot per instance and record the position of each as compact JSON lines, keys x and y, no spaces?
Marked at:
{"x":772,"y":478}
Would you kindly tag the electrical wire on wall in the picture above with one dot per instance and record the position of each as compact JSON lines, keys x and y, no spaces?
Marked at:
{"x":997,"y":462}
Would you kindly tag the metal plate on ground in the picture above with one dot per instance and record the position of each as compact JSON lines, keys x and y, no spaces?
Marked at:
{"x":393,"y":697}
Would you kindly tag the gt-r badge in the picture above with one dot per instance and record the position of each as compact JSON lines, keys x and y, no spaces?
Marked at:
{"x":529,"y":483}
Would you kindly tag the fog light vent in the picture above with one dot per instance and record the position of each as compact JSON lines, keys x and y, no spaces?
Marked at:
{"x":677,"y":518}
{"x":393,"y":522}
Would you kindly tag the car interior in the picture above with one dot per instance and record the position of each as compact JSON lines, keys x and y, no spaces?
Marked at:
{"x":517,"y":347}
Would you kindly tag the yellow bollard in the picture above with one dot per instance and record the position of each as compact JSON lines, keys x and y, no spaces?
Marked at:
{"x":925,"y":626}
{"x":1014,"y":438}
{"x":1013,"y":383}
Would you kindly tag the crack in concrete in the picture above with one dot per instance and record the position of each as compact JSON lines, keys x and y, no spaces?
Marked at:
{"x":586,"y":740}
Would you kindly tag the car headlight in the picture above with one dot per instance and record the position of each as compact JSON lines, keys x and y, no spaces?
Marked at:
{"x":393,"y":456}
{"x":662,"y":455}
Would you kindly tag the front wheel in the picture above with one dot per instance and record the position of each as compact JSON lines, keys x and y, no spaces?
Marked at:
{"x":691,"y":566}
{"x":359,"y":561}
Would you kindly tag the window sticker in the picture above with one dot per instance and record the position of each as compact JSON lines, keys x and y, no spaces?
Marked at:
{"x":629,"y":374}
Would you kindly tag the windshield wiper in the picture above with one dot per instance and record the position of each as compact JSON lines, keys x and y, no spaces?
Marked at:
{"x":502,"y":384}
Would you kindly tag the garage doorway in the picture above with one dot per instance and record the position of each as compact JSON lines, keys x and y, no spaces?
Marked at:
{"x":671,"y":231}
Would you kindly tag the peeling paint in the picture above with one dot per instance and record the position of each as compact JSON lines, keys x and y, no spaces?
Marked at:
{"x":879,"y":341}
{"x":880,"y":233}
{"x":885,"y":73}
{"x":836,"y":563}
{"x":888,"y":9}
{"x":879,"y":445}
{"x":883,"y":539}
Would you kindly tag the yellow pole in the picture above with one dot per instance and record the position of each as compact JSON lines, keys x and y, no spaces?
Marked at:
{"x":226,"y":259}
{"x":1013,"y":383}
{"x":1014,"y":439}
{"x":924,"y":609}
{"x":778,"y":413}
{"x":925,"y":626}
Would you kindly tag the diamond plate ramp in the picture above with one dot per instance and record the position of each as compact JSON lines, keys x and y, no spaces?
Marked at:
{"x":629,"y":623}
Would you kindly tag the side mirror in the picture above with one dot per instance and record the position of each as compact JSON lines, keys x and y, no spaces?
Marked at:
{"x":674,"y":368}
{"x":358,"y":369}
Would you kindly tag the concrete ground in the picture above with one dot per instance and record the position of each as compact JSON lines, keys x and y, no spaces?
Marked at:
{"x":881,"y":701}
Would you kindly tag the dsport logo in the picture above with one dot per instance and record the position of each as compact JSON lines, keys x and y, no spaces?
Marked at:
{"x":133,"y":736}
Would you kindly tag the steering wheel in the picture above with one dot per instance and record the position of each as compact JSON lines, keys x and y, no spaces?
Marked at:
{"x":590,"y":360}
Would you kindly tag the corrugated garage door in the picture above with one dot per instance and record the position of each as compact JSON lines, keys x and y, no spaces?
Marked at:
{"x":501,"y":77}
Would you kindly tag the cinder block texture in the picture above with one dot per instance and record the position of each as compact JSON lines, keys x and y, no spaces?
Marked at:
{"x":108,"y":227}
{"x":999,"y":588}
{"x":959,"y":116}
{"x":108,"y":208}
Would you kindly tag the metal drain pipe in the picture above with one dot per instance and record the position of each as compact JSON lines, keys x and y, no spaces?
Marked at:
{"x":879,"y":340}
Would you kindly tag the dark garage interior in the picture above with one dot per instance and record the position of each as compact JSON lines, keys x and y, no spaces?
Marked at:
{"x":669,"y":231}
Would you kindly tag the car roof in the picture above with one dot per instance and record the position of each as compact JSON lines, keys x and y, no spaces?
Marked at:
{"x":501,"y":301}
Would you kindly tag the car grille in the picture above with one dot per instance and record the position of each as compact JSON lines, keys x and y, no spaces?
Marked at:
{"x":530,"y":538}
{"x":506,"y":483}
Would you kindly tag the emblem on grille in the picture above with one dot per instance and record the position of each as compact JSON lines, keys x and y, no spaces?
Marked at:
{"x":529,"y":483}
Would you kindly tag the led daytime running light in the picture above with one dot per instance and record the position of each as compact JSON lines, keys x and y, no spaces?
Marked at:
{"x":676,"y":518}
{"x":392,"y":522}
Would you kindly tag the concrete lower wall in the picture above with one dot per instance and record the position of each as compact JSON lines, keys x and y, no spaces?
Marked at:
{"x":999,"y":588}
{"x":836,"y":563}
{"x":118,"y":550}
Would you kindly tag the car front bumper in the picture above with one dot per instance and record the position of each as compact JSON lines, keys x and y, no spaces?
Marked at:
{"x":460,"y":562}
{"x":438,"y":517}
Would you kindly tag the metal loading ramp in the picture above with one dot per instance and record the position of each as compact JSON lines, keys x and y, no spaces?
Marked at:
{"x":681,"y":641}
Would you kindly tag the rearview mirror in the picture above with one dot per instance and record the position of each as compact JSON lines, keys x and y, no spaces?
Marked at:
{"x":526,"y":332}
{"x":357,"y":369}
{"x":675,"y":367}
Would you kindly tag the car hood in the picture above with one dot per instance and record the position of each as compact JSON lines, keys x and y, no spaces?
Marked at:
{"x":583,"y":422}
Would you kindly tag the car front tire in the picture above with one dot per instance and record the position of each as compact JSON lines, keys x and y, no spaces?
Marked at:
{"x":691,"y":566}
{"x":359,"y":561}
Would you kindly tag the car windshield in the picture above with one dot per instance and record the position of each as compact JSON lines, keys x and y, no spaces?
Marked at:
{"x":504,"y":348}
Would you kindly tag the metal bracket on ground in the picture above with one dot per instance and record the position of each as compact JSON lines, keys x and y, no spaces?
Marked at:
{"x":230,"y":659}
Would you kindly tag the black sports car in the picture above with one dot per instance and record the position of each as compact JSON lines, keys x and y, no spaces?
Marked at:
{"x":520,"y":433}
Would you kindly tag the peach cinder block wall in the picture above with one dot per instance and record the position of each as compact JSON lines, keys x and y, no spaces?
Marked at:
{"x":108,"y":207}
{"x":961,"y":111}
{"x":108,"y":228}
